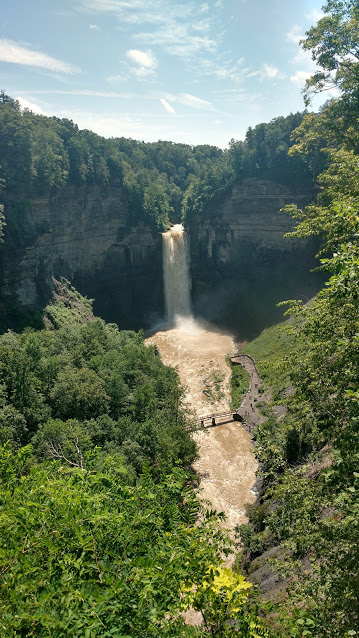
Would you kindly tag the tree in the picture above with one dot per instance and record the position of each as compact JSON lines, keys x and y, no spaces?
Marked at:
{"x":79,"y":394}
{"x":334,"y":44}
{"x":89,"y":554}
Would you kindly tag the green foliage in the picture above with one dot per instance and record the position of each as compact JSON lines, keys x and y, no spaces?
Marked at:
{"x":87,"y":385}
{"x":239,"y":385}
{"x":310,"y":452}
{"x":333,"y":43}
{"x":161,"y":181}
{"x":87,"y":554}
{"x":271,"y":351}
{"x":40,"y":156}
{"x":262,"y":155}
{"x":221,"y":598}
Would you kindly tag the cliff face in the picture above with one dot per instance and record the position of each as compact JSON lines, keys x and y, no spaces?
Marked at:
{"x":90,"y":238}
{"x":241,"y":264}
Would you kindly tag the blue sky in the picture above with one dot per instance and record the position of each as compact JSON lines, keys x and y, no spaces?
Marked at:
{"x":187,"y":71}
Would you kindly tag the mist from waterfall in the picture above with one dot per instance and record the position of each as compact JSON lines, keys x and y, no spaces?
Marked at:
{"x":176,"y":276}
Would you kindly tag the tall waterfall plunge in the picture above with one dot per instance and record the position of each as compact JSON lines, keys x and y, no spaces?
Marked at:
{"x":176,"y":273}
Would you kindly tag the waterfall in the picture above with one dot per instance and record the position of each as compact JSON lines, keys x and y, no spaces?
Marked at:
{"x":176,"y":274}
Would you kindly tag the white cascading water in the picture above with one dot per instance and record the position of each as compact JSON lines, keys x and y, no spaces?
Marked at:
{"x":176,"y":274}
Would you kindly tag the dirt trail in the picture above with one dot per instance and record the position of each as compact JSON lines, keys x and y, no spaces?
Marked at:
{"x":248,"y":409}
{"x":226,"y":464}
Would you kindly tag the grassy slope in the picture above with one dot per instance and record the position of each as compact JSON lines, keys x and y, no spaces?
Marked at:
{"x":271,"y":351}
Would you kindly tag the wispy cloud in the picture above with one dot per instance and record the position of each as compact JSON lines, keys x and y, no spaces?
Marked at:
{"x":177,"y":39}
{"x":181,"y":29}
{"x":225,"y":69}
{"x":190,"y":100}
{"x":232,"y":95}
{"x":139,"y":11}
{"x":17,"y":54}
{"x":301,"y":59}
{"x":167,"y":106}
{"x":85,"y":93}
{"x":117,"y":78}
{"x":271,"y":72}
{"x":95,"y":27}
{"x":295,"y":34}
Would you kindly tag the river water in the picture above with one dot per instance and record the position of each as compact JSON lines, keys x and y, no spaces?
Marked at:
{"x":226,"y":464}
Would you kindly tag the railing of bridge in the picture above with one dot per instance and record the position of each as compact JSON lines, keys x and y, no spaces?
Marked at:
{"x":236,"y":416}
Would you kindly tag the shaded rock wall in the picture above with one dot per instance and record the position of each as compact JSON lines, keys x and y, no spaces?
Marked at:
{"x":241,"y":264}
{"x":89,"y":237}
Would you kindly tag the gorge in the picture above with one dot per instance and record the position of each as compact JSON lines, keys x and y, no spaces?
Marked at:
{"x":241,"y":266}
{"x":92,"y":210}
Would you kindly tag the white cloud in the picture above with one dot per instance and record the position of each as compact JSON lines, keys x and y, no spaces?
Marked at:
{"x":202,"y":25}
{"x":234,"y":95}
{"x":139,"y":11}
{"x":304,"y":58}
{"x":300,"y":77}
{"x":145,"y":63}
{"x":142,"y":58}
{"x":167,"y":106}
{"x":269,"y":71}
{"x":294,"y":35}
{"x":233,"y":70}
{"x":95,"y":27}
{"x":26,"y":104}
{"x":180,"y":28}
{"x":16,"y":54}
{"x":117,"y":79}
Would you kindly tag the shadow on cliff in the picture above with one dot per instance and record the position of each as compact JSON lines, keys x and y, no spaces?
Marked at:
{"x":247,"y":306}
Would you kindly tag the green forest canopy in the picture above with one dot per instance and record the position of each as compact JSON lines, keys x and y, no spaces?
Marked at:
{"x":40,"y":156}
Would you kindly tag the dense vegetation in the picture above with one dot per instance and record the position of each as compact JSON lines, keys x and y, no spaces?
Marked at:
{"x":102,"y":532}
{"x":305,"y":526}
{"x":41,"y":156}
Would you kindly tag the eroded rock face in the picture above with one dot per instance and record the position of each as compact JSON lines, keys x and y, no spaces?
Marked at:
{"x":89,"y":237}
{"x":241,"y":264}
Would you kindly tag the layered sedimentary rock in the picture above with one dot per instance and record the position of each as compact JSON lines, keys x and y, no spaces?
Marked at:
{"x":89,"y":237}
{"x":240,"y":264}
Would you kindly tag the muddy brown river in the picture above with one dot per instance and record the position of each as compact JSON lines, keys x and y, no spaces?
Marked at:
{"x":226,"y":464}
